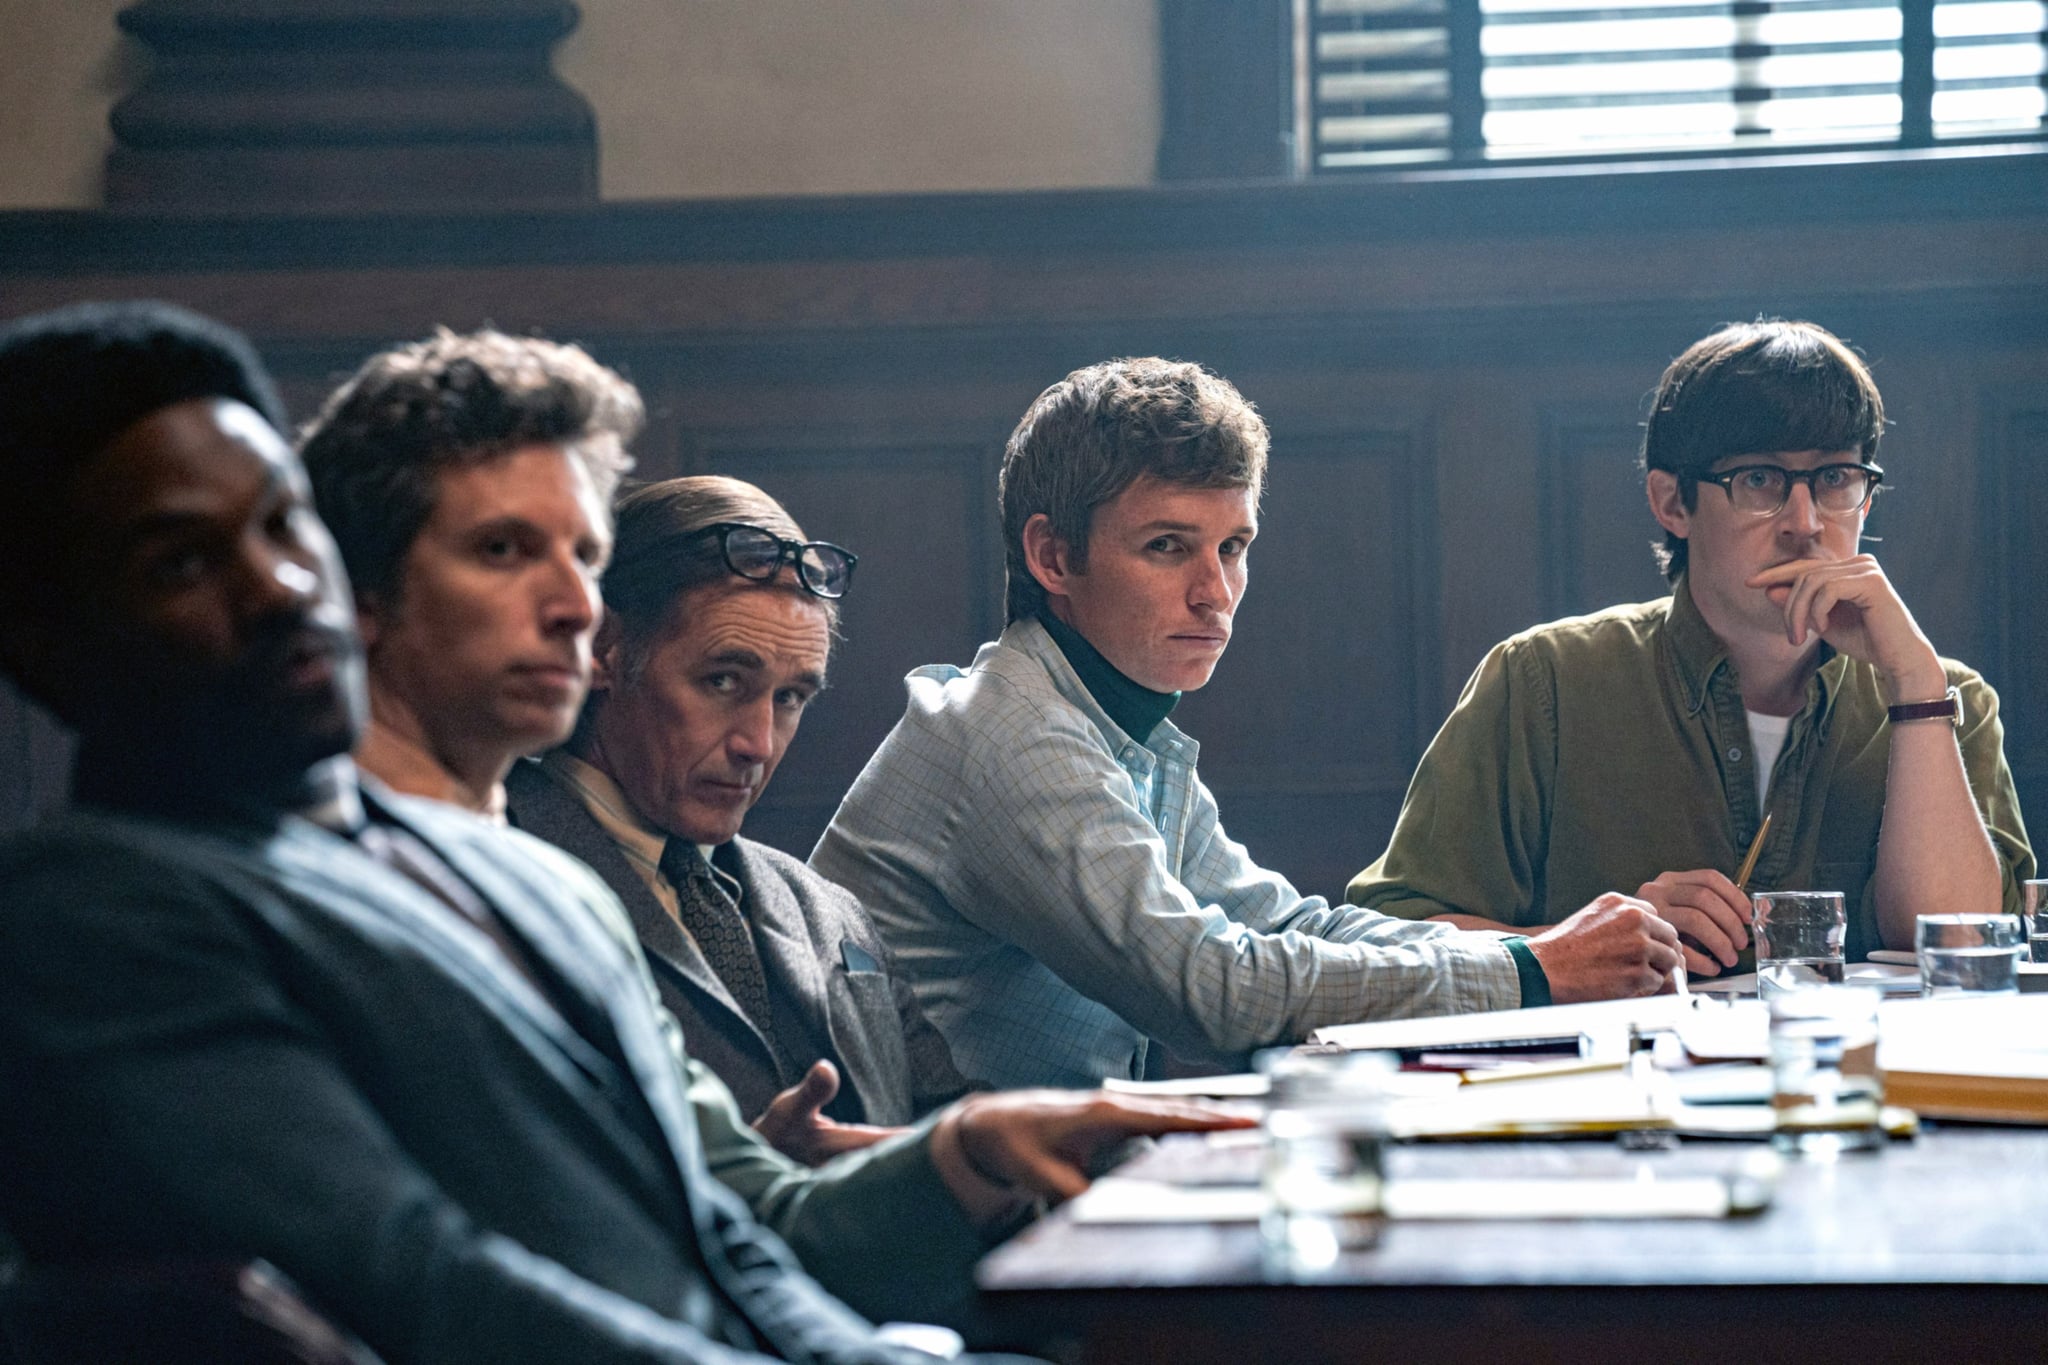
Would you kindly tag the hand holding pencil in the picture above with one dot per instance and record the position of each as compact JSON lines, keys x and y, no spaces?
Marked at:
{"x":1709,"y":910}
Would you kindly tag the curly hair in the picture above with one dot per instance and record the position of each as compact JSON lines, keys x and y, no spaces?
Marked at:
{"x":1098,"y":431}
{"x":376,"y":451}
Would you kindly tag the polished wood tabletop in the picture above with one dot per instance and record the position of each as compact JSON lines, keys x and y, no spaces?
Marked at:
{"x":1931,"y":1248}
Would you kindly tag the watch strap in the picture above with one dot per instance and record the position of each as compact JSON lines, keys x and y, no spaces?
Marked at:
{"x":1948,"y":708}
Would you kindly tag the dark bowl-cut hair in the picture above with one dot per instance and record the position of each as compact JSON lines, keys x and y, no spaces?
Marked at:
{"x":1101,"y":429}
{"x":74,"y":379}
{"x":376,"y":451}
{"x":660,"y":554}
{"x":1757,"y":388}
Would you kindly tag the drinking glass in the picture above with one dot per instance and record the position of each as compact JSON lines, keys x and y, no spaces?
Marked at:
{"x":2034,"y":899}
{"x":1326,"y":1133}
{"x":1799,"y":938}
{"x":1969,"y":954}
{"x":1825,"y":1088}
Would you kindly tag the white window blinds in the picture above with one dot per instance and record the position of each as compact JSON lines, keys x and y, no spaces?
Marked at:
{"x":1403,"y":81}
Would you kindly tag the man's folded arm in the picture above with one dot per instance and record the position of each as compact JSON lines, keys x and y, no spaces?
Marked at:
{"x":877,"y":1227}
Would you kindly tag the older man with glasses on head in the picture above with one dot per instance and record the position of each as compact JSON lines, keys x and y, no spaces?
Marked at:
{"x":718,"y":633}
{"x":1645,"y":745}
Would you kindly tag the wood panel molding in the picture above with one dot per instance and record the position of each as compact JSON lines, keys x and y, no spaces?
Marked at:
{"x":304,"y":104}
{"x":1596,"y":531}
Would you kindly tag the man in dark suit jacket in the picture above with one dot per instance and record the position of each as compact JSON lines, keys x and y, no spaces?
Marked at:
{"x":249,"y":1007}
{"x":820,"y":954}
{"x":719,"y":626}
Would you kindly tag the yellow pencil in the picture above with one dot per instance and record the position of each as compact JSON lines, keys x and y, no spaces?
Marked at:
{"x":1756,"y":846}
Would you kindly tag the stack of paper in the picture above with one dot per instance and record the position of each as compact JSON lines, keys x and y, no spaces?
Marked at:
{"x":1961,"y":1058}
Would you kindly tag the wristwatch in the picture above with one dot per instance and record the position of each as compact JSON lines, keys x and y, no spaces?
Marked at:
{"x":1949,"y":708}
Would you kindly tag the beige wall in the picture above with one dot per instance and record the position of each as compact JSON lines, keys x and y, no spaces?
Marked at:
{"x":700,"y":98}
{"x":62,"y":66}
{"x":710,"y":98}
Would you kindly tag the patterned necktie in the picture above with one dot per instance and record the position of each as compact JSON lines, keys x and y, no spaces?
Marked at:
{"x":722,"y":935}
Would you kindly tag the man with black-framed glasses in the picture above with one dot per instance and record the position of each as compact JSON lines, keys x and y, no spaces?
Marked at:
{"x":1642,"y":747}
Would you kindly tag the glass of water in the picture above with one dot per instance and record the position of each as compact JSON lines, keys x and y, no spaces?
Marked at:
{"x":1799,"y":937}
{"x":1969,"y":954}
{"x":1826,"y":1092}
{"x":1326,"y":1134}
{"x":2034,"y":898}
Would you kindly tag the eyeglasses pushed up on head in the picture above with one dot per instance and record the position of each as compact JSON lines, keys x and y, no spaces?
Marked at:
{"x":1837,"y":490}
{"x":824,"y":569}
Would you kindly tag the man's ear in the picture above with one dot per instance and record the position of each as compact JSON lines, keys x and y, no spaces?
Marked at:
{"x":1050,"y":559}
{"x":371,"y":618}
{"x":1667,"y":505}
{"x":607,"y":652}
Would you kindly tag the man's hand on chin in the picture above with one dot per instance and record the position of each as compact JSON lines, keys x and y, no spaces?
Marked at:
{"x":1617,"y":946}
{"x":1852,"y":605}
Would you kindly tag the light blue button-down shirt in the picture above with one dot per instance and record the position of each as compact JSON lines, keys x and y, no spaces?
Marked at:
{"x":1059,"y":891}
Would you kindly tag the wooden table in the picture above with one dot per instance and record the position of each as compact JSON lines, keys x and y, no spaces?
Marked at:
{"x":1930,"y":1250}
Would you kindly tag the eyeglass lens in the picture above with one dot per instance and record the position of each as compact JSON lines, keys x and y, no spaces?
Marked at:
{"x":754,"y":553}
{"x":1766,"y":488}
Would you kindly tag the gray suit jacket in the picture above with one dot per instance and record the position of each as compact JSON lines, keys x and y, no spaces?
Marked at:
{"x":887,"y":1052}
{"x":250,"y":1039}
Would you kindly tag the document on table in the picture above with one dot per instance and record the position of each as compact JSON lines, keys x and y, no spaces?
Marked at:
{"x":1745,"y":1189}
{"x":1606,"y":1022}
{"x":1889,"y":977}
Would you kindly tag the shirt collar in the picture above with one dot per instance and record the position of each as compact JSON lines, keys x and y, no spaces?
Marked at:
{"x":606,"y":801}
{"x":1136,"y":709}
{"x":1696,"y":650}
{"x":607,"y":805}
{"x":1030,"y":639}
{"x":1699,"y":655}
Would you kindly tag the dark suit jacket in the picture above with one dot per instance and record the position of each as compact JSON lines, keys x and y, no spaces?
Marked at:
{"x":888,"y":1053}
{"x":253,"y":1040}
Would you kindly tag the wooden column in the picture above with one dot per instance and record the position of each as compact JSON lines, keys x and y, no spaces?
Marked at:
{"x":272,"y":105}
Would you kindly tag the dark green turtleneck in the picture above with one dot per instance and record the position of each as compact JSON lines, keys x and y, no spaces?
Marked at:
{"x":1137,"y":710}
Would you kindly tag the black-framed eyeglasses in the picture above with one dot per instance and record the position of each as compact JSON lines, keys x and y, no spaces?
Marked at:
{"x":824,"y":569}
{"x":1837,"y":490}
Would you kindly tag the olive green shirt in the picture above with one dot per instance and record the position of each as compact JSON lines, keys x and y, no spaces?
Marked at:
{"x":1595,"y":753}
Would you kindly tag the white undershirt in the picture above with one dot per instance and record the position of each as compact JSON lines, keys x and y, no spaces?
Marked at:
{"x":1766,"y":741}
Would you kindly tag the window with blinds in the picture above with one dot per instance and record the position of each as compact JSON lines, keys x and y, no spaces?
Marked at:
{"x":1386,"y":82}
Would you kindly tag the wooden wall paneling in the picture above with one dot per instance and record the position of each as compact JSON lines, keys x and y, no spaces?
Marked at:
{"x":1596,"y":529}
{"x":1488,"y":449}
{"x":1226,"y":89}
{"x":917,"y":513}
{"x":1927,"y":520}
{"x":2012,"y":567}
{"x":1313,"y":722}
